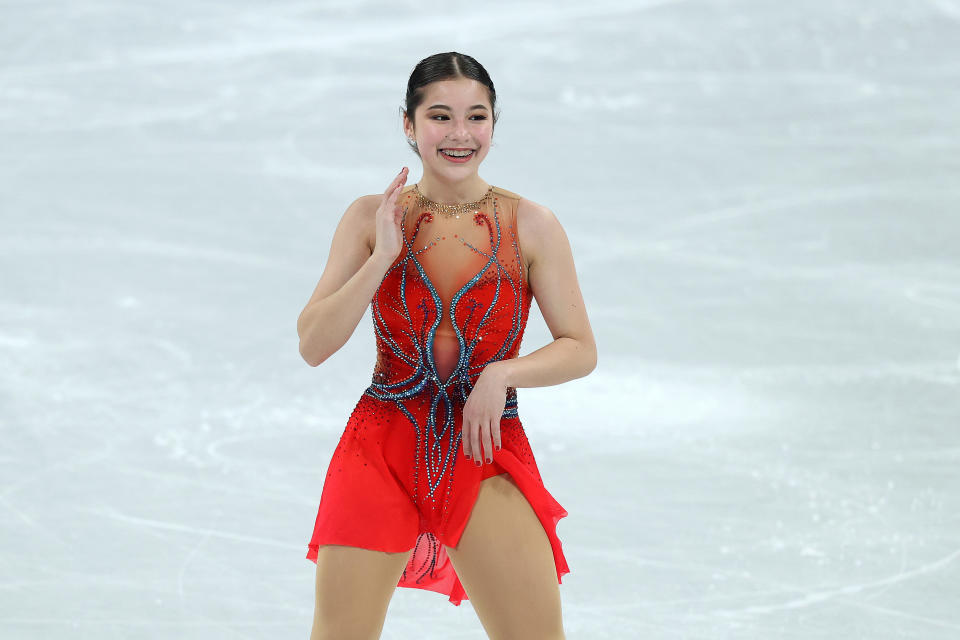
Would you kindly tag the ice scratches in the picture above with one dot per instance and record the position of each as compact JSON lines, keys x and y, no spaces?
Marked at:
{"x":149,"y":523}
{"x":903,"y":614}
{"x":339,"y":37}
{"x":829,"y":594}
{"x":934,"y":371}
{"x":755,"y":206}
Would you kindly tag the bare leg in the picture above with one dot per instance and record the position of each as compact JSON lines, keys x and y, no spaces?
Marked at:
{"x":354,"y":588}
{"x":506,"y":565}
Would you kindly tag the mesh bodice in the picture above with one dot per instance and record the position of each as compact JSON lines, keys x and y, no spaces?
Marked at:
{"x":454,"y":300}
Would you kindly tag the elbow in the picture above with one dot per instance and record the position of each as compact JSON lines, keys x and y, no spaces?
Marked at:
{"x":591,"y":364}
{"x":306,"y":356}
{"x":311,"y":358}
{"x":585,"y":356}
{"x":590,"y":360}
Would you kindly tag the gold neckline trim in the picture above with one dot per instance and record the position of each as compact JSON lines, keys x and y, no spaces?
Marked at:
{"x":450,"y":209}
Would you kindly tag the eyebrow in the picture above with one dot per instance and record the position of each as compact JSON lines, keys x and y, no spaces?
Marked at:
{"x":443,"y":106}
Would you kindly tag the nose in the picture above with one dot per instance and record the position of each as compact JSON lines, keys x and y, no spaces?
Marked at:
{"x":460,"y":130}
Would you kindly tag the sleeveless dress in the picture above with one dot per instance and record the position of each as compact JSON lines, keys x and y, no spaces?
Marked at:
{"x":455,"y":299}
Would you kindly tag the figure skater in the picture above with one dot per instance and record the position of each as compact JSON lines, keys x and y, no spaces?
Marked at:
{"x":433,"y":484}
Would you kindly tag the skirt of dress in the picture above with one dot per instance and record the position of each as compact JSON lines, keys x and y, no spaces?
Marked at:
{"x":378,"y":494}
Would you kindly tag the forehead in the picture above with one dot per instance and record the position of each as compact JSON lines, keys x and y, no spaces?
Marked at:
{"x":460,"y":93}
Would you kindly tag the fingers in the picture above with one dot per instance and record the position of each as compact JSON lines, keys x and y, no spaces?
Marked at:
{"x":471,"y":439}
{"x":475,"y":450}
{"x":480,"y":441}
{"x":465,"y":436}
{"x":394,"y":183}
{"x":390,"y":200}
{"x":487,"y":442}
{"x":399,"y":180}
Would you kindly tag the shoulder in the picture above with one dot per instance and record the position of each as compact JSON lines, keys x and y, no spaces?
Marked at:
{"x":504,"y":193}
{"x":538,"y":227}
{"x":366,"y":206}
{"x":532,"y":217}
{"x":535,"y":216}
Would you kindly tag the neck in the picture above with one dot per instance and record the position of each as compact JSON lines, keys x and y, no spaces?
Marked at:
{"x":444,"y":192}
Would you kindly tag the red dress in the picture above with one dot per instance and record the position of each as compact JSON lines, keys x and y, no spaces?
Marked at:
{"x":454,"y":300}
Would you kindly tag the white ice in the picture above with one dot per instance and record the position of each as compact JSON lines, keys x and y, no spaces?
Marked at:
{"x":762,"y":200}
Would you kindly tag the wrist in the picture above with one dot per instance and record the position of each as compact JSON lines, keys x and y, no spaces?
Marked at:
{"x":501,"y":371}
{"x":381,"y":259}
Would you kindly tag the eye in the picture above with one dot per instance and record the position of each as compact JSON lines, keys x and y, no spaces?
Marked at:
{"x":478,"y":116}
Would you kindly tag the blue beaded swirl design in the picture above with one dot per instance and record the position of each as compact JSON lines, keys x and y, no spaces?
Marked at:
{"x":438,"y":434}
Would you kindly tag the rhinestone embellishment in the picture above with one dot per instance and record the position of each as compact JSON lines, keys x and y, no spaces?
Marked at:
{"x":450,"y":210}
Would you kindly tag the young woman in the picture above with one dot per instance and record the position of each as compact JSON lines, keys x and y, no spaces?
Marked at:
{"x":433,"y":484}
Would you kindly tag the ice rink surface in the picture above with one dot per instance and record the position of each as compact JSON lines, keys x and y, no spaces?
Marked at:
{"x":764,"y":208}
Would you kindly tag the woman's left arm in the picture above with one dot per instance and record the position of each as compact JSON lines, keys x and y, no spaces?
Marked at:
{"x":573,"y":352}
{"x":553,"y":280}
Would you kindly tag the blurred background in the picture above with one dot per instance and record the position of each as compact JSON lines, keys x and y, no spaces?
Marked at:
{"x":762,"y":201}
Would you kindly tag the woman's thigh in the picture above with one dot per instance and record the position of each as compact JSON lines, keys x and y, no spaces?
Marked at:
{"x":354,"y":587}
{"x":506,"y":565}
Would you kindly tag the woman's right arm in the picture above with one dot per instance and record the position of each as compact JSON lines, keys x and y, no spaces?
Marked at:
{"x":350,"y":278}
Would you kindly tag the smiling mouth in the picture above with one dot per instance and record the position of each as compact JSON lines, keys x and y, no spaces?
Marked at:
{"x":458,"y":153}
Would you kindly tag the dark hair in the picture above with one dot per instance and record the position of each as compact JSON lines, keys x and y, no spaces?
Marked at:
{"x":445,"y":66}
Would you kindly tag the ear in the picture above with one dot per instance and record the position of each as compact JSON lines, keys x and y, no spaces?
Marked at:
{"x":408,"y":127}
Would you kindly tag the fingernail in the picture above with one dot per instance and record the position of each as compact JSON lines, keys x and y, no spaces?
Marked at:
{"x":478,"y":463}
{"x":467,"y":455}
{"x":498,"y":447}
{"x":489,"y":460}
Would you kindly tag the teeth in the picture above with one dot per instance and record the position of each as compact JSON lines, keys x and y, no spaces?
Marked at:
{"x":456,"y":154}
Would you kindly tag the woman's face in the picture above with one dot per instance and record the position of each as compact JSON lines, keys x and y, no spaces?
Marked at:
{"x":454,"y":114}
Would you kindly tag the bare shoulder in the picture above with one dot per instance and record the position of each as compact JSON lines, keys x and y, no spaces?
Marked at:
{"x":537,"y":227}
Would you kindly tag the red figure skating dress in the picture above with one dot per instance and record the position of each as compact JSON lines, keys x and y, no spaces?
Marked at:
{"x":454,"y":300}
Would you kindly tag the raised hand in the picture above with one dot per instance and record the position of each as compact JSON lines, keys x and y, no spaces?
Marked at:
{"x":389,"y":240}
